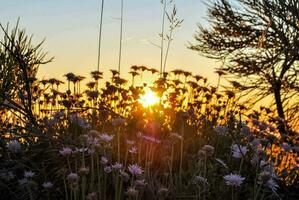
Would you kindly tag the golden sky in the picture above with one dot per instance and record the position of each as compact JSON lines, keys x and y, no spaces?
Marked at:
{"x":70,"y":28}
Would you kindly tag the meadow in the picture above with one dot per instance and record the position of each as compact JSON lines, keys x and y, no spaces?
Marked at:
{"x":149,"y":134}
{"x":175,"y":138}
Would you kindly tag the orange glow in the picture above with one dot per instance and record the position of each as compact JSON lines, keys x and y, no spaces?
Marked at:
{"x":149,"y":98}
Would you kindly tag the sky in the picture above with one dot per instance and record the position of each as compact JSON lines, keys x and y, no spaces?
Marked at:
{"x":71,"y":28}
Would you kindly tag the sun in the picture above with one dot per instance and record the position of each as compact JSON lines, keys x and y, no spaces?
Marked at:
{"x":149,"y":98}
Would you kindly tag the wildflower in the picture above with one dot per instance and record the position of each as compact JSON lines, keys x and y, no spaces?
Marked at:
{"x":132,"y":192}
{"x":221,"y":130}
{"x":29,"y":174}
{"x":124,"y":176}
{"x":233,"y":180}
{"x":80,"y":150}
{"x":107,"y":169}
{"x":92,"y":94}
{"x":208,"y":149}
{"x":118,"y":121}
{"x":93,"y":133}
{"x":90,"y":151}
{"x":163,"y":191}
{"x":264,"y":176}
{"x":130,"y":142}
{"x":256,"y":143}
{"x":255,"y":160}
{"x":66,"y":151}
{"x":92,"y":196}
{"x":47,"y":185}
{"x":133,"y":150}
{"x":199,"y":180}
{"x":151,"y":139}
{"x":238,"y":151}
{"x":14,"y":146}
{"x":104,"y":160}
{"x":73,"y":178}
{"x":105,"y":137}
{"x":140,"y":184}
{"x":176,"y":136}
{"x":135,"y":169}
{"x":117,"y":166}
{"x":272,"y":185}
{"x":84,"y":170}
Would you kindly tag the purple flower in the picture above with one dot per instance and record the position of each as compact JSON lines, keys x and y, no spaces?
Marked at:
{"x":233,"y":180}
{"x":135,"y":169}
{"x":66,"y":151}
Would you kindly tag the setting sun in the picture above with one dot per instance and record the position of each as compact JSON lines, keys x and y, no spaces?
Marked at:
{"x":149,"y":98}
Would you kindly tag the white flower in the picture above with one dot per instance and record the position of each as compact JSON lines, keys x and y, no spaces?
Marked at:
{"x":47,"y":185}
{"x":117,"y":166}
{"x":92,"y":196}
{"x":176,"y":136}
{"x":14,"y":146}
{"x":163,"y":191}
{"x":105,"y":137}
{"x":132,"y":192}
{"x":104,"y":160}
{"x":151,"y":139}
{"x":233,"y":180}
{"x":135,"y":169}
{"x":73,"y":178}
{"x":239,"y":151}
{"x":130,"y":142}
{"x":80,"y":150}
{"x":221,"y":130}
{"x":66,"y":151}
{"x":208,"y":149}
{"x":29,"y":174}
{"x":133,"y":150}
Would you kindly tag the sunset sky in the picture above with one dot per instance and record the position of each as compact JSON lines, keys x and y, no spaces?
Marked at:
{"x":70,"y":28}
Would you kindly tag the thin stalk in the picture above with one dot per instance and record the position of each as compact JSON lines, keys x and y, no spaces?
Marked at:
{"x":83,"y":187}
{"x":182,"y":151}
{"x":121,"y":35}
{"x":167,"y":50}
{"x":98,"y":174}
{"x":241,"y":164}
{"x":118,"y":145}
{"x":100,"y":35}
{"x":65,"y":189}
{"x":162,"y":35}
{"x":92,"y":171}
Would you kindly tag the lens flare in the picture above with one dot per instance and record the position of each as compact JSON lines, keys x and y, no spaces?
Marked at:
{"x":149,"y":98}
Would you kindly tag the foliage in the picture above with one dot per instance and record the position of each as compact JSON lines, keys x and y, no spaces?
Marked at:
{"x":257,"y":41}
